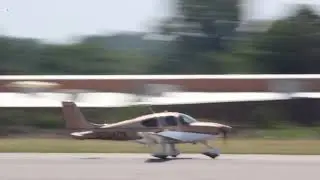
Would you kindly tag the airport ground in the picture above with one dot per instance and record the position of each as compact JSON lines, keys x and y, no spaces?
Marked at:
{"x":16,"y":166}
{"x":40,"y":157}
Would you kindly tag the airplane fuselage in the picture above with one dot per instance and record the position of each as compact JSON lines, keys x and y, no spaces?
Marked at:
{"x":158,"y":129}
{"x":118,"y":133}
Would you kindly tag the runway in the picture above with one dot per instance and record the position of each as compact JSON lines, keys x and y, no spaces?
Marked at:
{"x":141,"y":167}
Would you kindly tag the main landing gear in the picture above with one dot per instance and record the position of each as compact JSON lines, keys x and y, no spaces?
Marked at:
{"x":166,"y":150}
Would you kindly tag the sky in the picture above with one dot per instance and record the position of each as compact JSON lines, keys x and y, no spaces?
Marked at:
{"x":60,"y":20}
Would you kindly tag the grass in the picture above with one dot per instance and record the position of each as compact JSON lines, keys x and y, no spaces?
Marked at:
{"x":236,"y":146}
{"x":283,"y":133}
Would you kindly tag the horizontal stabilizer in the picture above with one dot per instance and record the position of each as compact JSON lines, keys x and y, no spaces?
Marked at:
{"x":80,"y":134}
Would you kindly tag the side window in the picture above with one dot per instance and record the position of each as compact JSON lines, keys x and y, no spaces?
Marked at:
{"x":182,"y":120}
{"x":150,"y":122}
{"x":171,"y":121}
{"x":185,"y":119}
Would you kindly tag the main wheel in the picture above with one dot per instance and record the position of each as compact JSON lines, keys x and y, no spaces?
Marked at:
{"x":161,"y":156}
{"x":176,"y":155}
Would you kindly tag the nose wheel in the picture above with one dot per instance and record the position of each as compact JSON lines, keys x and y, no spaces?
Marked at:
{"x":212,"y":155}
{"x":211,"y":151}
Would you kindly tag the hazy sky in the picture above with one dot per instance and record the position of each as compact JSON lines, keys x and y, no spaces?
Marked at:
{"x":58,"y":20}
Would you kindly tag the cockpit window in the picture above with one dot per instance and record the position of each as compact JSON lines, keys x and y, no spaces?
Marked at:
{"x":187,"y":119}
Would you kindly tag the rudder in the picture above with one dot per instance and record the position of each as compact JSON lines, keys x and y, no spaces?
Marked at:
{"x":73,"y":117}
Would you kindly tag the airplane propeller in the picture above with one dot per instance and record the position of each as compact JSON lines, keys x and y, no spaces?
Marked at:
{"x":224,"y":132}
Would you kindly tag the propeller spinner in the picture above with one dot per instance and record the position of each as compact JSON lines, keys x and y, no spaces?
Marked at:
{"x":225,"y":131}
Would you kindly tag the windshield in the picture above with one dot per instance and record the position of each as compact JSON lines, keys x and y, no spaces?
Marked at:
{"x":188,"y":119}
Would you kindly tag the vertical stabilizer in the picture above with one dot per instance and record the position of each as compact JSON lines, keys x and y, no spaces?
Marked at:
{"x":73,"y":117}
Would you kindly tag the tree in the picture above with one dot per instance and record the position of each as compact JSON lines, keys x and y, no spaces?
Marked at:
{"x":18,"y":55}
{"x":200,"y":27}
{"x":28,"y":56}
{"x":291,"y":45}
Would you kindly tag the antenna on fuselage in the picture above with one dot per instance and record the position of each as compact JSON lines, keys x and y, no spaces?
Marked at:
{"x":150,"y":108}
{"x":158,"y":118}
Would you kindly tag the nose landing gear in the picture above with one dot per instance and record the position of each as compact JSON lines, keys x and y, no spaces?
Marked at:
{"x":211,"y":151}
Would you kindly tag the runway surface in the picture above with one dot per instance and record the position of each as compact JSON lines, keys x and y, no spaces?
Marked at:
{"x":27,"y":166}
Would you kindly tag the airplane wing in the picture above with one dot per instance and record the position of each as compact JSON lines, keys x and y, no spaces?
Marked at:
{"x":124,"y":100}
{"x":176,"y":136}
{"x":45,"y":94}
{"x":310,"y":95}
{"x":173,"y":98}
{"x":55,"y":99}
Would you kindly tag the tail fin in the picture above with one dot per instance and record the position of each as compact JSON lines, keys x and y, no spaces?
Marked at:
{"x":74,"y":118}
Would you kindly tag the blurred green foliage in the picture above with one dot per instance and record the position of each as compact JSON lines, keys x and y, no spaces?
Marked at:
{"x":204,"y":39}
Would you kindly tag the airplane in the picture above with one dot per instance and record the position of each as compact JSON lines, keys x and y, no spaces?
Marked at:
{"x":162,"y":129}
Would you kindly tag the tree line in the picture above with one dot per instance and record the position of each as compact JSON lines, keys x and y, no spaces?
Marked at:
{"x":201,"y":39}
